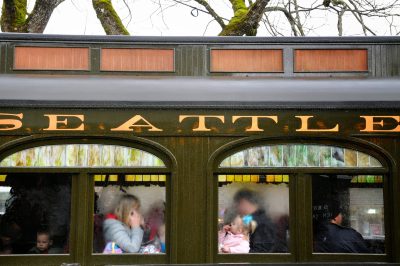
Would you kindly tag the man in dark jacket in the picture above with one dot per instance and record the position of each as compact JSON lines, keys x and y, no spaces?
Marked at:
{"x":335,"y":238}
{"x":263,"y":238}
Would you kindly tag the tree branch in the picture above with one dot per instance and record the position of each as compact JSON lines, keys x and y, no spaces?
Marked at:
{"x":109,"y":18}
{"x":212,"y":12}
{"x":287,"y":14}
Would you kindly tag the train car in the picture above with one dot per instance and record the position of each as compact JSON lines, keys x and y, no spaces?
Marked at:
{"x":144,"y":150}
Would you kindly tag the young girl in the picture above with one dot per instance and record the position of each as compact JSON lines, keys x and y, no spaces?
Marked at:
{"x":233,"y":238}
{"x":123,"y":227}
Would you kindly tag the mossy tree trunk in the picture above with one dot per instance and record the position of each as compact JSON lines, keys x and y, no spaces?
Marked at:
{"x":246,"y":19}
{"x":109,"y":18}
{"x":15,"y":17}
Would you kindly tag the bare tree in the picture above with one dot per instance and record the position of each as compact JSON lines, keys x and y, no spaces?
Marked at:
{"x":15,"y":17}
{"x":277,"y":17}
{"x":249,"y":15}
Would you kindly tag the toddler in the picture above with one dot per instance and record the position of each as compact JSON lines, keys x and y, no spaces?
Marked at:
{"x":43,"y":243}
{"x":233,"y":238}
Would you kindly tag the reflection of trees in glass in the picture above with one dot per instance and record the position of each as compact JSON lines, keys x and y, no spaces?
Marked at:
{"x":299,"y":155}
{"x":74,"y":155}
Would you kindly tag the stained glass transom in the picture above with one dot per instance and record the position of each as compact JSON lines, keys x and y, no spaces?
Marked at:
{"x":300,"y":155}
{"x":82,"y":155}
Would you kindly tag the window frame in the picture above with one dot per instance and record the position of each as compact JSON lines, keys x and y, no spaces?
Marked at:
{"x":82,"y":190}
{"x":300,"y":200}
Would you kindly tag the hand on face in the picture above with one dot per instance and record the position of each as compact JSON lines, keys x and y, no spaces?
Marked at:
{"x":135,"y":219}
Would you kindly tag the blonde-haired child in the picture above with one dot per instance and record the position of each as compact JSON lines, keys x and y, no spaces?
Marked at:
{"x":233,"y":238}
{"x":123,"y":227}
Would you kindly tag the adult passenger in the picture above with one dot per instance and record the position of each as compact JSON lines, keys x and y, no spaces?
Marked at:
{"x":332,"y":237}
{"x":262,"y":234}
{"x":123,"y":227}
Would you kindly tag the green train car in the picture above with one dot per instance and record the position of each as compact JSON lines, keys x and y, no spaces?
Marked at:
{"x":145,"y":150}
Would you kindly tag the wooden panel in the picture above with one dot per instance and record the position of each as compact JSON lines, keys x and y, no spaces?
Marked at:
{"x":51,"y":58}
{"x":133,"y":59}
{"x":246,"y":60}
{"x":337,"y":60}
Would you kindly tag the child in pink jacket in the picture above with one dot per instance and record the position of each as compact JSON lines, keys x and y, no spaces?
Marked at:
{"x":234,"y":238}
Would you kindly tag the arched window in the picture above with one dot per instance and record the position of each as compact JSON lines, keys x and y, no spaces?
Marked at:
{"x":37,"y":194}
{"x":346,"y":191}
{"x":300,"y":155}
{"x":82,"y":155}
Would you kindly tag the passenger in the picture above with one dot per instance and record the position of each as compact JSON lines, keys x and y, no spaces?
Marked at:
{"x":335,"y":238}
{"x":262,"y":236}
{"x":161,"y":237}
{"x":123,"y":227}
{"x":234,"y":238}
{"x":43,"y":244}
{"x":10,"y":233}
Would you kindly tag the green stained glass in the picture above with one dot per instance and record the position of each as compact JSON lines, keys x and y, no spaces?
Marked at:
{"x":289,"y":155}
{"x":133,"y":157}
{"x":94,"y":155}
{"x":313,"y":155}
{"x":81,"y":155}
{"x":72,"y":154}
{"x":226,"y":162}
{"x":120,"y":156}
{"x":58,"y":155}
{"x":237,"y":160}
{"x":325,"y":156}
{"x":275,"y":156}
{"x":300,"y":155}
{"x":255,"y":157}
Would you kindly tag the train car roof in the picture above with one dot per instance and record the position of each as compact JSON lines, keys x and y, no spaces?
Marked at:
{"x":121,"y":91}
{"x":195,"y":40}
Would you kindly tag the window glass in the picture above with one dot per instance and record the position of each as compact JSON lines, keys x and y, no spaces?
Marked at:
{"x":82,"y":155}
{"x":129,"y":214}
{"x":348,"y":214}
{"x":34,"y":213}
{"x":253,"y":213}
{"x":300,"y":155}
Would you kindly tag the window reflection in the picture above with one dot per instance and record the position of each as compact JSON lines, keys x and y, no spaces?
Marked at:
{"x":35,"y":213}
{"x":253,"y":213}
{"x":129,"y":214}
{"x":348,"y":214}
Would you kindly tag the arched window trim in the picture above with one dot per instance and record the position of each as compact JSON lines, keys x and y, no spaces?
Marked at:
{"x":83,"y":155}
{"x":241,"y":163}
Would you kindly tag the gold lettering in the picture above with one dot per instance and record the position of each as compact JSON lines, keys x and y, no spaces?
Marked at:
{"x":304,"y":125}
{"x":370,"y":124}
{"x":55,"y":123}
{"x":11,"y":124}
{"x":132,"y":123}
{"x":254,"y":121}
{"x":202,"y":120}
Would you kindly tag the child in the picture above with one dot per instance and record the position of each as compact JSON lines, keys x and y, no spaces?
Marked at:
{"x":233,"y":238}
{"x":123,"y":228}
{"x":43,"y":243}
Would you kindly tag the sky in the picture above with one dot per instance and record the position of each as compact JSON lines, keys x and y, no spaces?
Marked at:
{"x":162,"y":18}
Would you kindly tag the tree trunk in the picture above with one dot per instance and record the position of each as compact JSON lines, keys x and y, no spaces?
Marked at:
{"x":245,"y":20}
{"x":109,"y":19}
{"x":14,"y":15}
{"x":40,"y":16}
